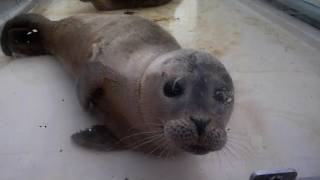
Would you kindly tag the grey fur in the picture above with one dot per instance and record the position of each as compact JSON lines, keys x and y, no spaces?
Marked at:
{"x":154,"y":96}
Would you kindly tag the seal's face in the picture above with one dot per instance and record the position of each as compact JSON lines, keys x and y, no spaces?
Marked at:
{"x":191,"y":94}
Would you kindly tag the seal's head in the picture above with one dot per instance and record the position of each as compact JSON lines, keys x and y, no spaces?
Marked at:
{"x":190,"y":94}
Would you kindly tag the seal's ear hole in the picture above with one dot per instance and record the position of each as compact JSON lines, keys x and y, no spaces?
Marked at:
{"x":173,"y":88}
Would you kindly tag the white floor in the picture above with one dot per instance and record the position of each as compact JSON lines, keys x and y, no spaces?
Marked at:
{"x":275,"y":123}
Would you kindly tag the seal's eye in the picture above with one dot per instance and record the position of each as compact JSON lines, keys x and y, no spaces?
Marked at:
{"x":223,"y":95}
{"x":173,"y":88}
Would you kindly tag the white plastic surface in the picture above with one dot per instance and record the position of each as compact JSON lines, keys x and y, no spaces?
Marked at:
{"x":275,"y":121}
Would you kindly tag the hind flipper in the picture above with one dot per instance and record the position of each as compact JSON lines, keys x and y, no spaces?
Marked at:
{"x":24,"y":34}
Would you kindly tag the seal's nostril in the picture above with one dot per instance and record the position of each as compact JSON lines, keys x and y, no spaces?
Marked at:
{"x":200,"y":125}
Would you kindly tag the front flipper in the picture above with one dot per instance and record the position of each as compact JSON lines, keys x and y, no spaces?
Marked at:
{"x":98,"y":138}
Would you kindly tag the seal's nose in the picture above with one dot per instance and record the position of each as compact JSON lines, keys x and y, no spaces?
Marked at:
{"x":201,"y":125}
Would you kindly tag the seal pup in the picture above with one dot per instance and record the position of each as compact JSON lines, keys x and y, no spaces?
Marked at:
{"x":155,"y":96}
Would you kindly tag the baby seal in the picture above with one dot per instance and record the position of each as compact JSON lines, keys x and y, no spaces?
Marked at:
{"x":155,"y":96}
{"x":124,"y":4}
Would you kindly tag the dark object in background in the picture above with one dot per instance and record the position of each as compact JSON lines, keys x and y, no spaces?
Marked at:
{"x":279,"y":174}
{"x":104,"y":5}
{"x":301,"y":9}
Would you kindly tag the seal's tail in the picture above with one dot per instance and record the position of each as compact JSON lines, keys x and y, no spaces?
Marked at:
{"x":24,"y":34}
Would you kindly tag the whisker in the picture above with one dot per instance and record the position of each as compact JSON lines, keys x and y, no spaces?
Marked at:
{"x":172,"y":157}
{"x":158,"y":147}
{"x":222,"y":153}
{"x":137,"y":134}
{"x":158,"y":124}
{"x":163,"y":150}
{"x":238,"y":136}
{"x":168,"y":153}
{"x":231,"y":152}
{"x":143,"y":139}
{"x":219,"y":159}
{"x":237,"y":139}
{"x":147,"y":141}
{"x":147,"y":124}
{"x":242,"y":146}
{"x":227,"y":157}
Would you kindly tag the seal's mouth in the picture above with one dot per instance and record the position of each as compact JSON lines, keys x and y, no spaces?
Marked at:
{"x":197,"y":149}
{"x":195,"y":136}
